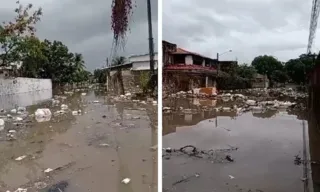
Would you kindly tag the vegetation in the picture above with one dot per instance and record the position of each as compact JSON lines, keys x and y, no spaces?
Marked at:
{"x":40,"y":59}
{"x":294,"y":70}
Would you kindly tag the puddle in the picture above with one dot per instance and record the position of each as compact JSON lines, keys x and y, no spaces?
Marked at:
{"x":83,"y":152}
{"x":266,"y":144}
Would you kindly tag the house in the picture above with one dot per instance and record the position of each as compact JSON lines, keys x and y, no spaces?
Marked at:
{"x":9,"y":71}
{"x":260,"y":81}
{"x":131,"y":71}
{"x":184,"y":70}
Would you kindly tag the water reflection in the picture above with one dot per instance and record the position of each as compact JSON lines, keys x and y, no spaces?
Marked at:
{"x":277,"y":133}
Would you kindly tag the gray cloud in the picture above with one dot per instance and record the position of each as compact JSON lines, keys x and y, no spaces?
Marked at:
{"x":248,"y":27}
{"x":84,"y":26}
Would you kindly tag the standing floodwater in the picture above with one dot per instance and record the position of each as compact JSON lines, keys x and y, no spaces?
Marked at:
{"x":90,"y":142}
{"x":233,"y":143}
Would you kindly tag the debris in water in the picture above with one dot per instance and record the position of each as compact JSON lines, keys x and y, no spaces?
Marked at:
{"x":104,"y":116}
{"x":76,"y":112}
{"x":59,"y":187}
{"x":83,"y":94}
{"x":297,"y":160}
{"x":20,"y":158}
{"x":64,"y":107}
{"x":19,"y":119}
{"x":126,"y":181}
{"x":21,"y":190}
{"x":104,"y":145}
{"x":40,"y":185}
{"x":48,"y":170}
{"x":1,"y":122}
{"x":13,"y":111}
{"x":229,"y":158}
{"x":12,"y":131}
{"x":231,"y":177}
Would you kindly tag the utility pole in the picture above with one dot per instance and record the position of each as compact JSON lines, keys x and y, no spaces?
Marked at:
{"x":151,"y":45}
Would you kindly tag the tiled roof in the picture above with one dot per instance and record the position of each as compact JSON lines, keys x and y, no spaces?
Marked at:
{"x":181,"y":51}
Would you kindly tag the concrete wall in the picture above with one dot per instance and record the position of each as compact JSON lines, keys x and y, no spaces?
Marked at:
{"x":23,"y":85}
{"x":24,"y":99}
{"x":189,"y":60}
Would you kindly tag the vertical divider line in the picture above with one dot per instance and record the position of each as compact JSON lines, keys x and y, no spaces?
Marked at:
{"x":160,"y":65}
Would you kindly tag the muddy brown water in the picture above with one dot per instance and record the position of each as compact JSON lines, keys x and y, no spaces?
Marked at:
{"x":264,"y":161}
{"x":94,"y":151}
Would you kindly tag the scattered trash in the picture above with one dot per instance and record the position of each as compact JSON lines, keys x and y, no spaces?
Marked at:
{"x":231,"y":177}
{"x":19,"y":119}
{"x":229,"y":158}
{"x":12,"y":131}
{"x":21,"y":190}
{"x":1,"y":122}
{"x":22,"y":109}
{"x":13,"y":111}
{"x":76,"y":112}
{"x":64,"y":107}
{"x":126,"y":181}
{"x":48,"y":170}
{"x":297,"y":160}
{"x":20,"y":158}
{"x":83,"y":94}
{"x":59,"y":187}
{"x":40,"y":185}
{"x":43,"y":115}
{"x":104,"y":145}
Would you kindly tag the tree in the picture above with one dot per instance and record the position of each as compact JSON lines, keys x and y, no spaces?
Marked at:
{"x":100,"y":76}
{"x":14,"y":33}
{"x":279,"y":76}
{"x":266,"y":65}
{"x":246,"y":71}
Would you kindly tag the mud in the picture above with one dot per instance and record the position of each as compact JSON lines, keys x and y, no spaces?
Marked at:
{"x":93,"y":150}
{"x":230,"y":151}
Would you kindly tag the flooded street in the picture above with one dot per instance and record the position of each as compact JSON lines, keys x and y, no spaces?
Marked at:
{"x":250,"y":149}
{"x":91,"y":144}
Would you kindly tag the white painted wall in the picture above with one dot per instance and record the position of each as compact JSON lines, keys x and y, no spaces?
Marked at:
{"x":189,"y":60}
{"x":24,"y":99}
{"x":23,"y":85}
{"x":143,"y":65}
{"x":139,"y":58}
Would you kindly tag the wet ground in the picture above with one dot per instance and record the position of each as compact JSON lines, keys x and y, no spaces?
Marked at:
{"x":94,"y":150}
{"x":251,"y":151}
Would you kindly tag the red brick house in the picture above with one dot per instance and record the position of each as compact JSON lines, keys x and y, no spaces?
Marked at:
{"x":184,"y":70}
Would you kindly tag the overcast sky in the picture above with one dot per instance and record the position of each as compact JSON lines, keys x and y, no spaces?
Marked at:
{"x":248,"y":27}
{"x":84,"y":26}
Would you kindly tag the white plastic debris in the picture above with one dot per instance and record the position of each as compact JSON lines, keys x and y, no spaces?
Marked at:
{"x":43,"y":115}
{"x":76,"y":112}
{"x":22,"y":109}
{"x":19,"y":119}
{"x":96,"y":101}
{"x":12,"y":131}
{"x":1,"y":122}
{"x":21,"y":190}
{"x":64,"y":107}
{"x":13,"y":111}
{"x":48,"y":170}
{"x":231,"y":177}
{"x":83,"y":94}
{"x":250,"y":102}
{"x":126,"y":180}
{"x":104,"y":145}
{"x":154,"y":102}
{"x":20,"y":158}
{"x":43,"y":112}
{"x":128,"y":94}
